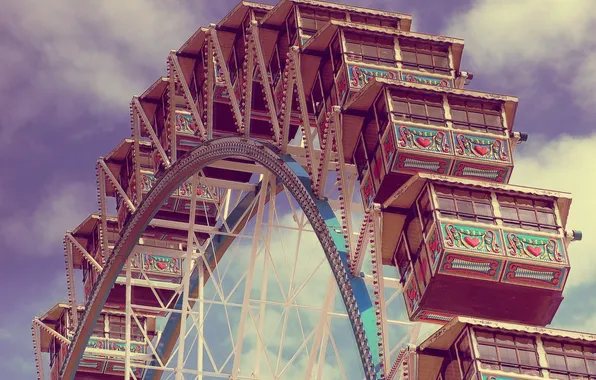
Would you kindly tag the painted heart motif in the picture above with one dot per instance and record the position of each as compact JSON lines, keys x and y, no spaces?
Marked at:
{"x":535,"y":251}
{"x":161,"y":265}
{"x":423,"y":142}
{"x":472,"y":242}
{"x":481,"y":150}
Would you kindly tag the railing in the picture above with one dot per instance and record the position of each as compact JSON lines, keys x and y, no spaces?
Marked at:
{"x":156,"y":267}
{"x":118,"y":345}
{"x":204,"y":192}
{"x":450,"y":151}
{"x":93,"y":360}
{"x":360,"y":74}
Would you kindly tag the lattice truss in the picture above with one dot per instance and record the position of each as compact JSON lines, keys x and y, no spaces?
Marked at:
{"x":245,"y":292}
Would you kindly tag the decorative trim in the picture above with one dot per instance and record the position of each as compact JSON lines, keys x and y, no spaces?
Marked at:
{"x":435,"y":249}
{"x":535,"y":248}
{"x":482,"y":148}
{"x":342,"y":86}
{"x":412,"y":295}
{"x":474,"y":267}
{"x":416,"y":163}
{"x":481,"y":172}
{"x":472,"y":239}
{"x":429,"y":140}
{"x":184,"y":123}
{"x":367,"y":190}
{"x":427,"y":80}
{"x":388,"y":147}
{"x":433,"y":317}
{"x":535,"y":276}
{"x":358,"y":76}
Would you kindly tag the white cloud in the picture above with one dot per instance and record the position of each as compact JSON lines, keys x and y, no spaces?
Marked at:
{"x":566,"y":164}
{"x":106,"y":53}
{"x":39,"y":231}
{"x":508,"y":37}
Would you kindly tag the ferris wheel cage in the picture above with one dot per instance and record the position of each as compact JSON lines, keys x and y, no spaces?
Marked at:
{"x":289,"y":173}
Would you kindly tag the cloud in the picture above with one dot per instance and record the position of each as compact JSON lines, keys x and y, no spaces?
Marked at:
{"x":566,"y":164}
{"x":62,"y":207}
{"x":15,"y":336}
{"x":63,"y":53}
{"x":508,"y":37}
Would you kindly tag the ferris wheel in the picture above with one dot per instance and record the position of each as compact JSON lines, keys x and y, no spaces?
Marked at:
{"x":307,"y":193}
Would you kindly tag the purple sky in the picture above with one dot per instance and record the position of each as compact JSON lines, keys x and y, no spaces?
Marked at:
{"x":69,"y":71}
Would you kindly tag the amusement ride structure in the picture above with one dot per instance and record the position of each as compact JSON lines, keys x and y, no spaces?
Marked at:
{"x":309,"y":186}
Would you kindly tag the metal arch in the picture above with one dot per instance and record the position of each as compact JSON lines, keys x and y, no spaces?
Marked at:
{"x":319,"y":214}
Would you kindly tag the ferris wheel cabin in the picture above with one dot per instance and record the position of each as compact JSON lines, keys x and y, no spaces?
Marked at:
{"x":104,"y":355}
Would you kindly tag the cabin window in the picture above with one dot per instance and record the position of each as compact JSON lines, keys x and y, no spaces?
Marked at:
{"x":317,"y":95}
{"x":381,"y":113}
{"x":314,"y":19}
{"x":450,"y":370}
{"x":112,"y":234}
{"x":476,"y":116}
{"x":371,"y":49}
{"x":374,"y":21}
{"x":275,"y":66}
{"x":336,"y":55}
{"x":418,"y":108}
{"x":95,"y":241}
{"x":507,"y":352}
{"x":194,"y":87}
{"x":118,"y":328}
{"x":233,"y":65}
{"x":425,"y":57}
{"x":425,"y":210}
{"x":87,"y":269}
{"x":402,"y":260}
{"x":464,"y":352}
{"x":370,"y":133}
{"x":570,"y":360}
{"x":360,"y":156}
{"x":54,"y":351}
{"x":99,"y":328}
{"x":123,"y":177}
{"x":527,"y":213}
{"x":146,"y":161}
{"x":334,"y":98}
{"x":291,"y":28}
{"x":470,"y":205}
{"x":415,"y":239}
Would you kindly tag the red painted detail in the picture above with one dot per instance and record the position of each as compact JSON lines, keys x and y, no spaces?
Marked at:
{"x":535,"y":251}
{"x":481,"y":150}
{"x":472,"y":242}
{"x":423,"y":142}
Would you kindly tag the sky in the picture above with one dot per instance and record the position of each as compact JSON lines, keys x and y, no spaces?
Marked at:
{"x":69,"y":71}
